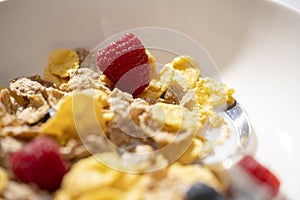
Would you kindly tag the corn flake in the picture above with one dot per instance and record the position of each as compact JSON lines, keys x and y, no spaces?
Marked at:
{"x":152,"y":63}
{"x":91,"y":179}
{"x":193,"y":152}
{"x":3,"y":180}
{"x":173,"y":117}
{"x":59,"y":62}
{"x":188,"y":68}
{"x":159,"y":85}
{"x":54,"y":78}
{"x":62,"y":60}
{"x":64,"y":125}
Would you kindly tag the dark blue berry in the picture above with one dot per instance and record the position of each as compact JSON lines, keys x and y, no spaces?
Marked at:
{"x":200,"y":191}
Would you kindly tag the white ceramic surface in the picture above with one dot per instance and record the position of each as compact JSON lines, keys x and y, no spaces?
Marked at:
{"x":255,"y":43}
{"x":294,"y":4}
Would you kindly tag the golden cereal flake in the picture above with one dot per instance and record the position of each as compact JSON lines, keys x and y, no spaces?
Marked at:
{"x":219,"y":94}
{"x":59,"y":62}
{"x":90,"y":179}
{"x":159,"y":85}
{"x":176,"y":78}
{"x":104,"y":193}
{"x":204,"y":105}
{"x":152,"y":64}
{"x":175,"y":181}
{"x":173,"y":117}
{"x":188,"y":68}
{"x":89,"y":176}
{"x":153,"y":90}
{"x":193,"y":152}
{"x":62,"y":60}
{"x":229,"y":92}
{"x":86,"y":104}
{"x":107,"y":83}
{"x":3,"y":180}
{"x":54,"y":78}
{"x":202,"y":93}
{"x":216,"y":120}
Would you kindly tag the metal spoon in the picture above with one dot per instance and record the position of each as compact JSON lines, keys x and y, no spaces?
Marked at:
{"x":241,"y":136}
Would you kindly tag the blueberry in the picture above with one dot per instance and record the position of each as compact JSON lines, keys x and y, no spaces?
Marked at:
{"x":199,"y":191}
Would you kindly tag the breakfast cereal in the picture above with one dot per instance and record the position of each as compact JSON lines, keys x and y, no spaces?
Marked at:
{"x":161,"y":123}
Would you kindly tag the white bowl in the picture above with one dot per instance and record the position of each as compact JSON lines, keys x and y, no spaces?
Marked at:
{"x":255,"y":43}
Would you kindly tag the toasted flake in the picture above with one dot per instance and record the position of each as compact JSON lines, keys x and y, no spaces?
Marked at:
{"x":8,"y":145}
{"x":26,"y":87}
{"x":82,"y":79}
{"x":82,"y":53}
{"x":37,"y":109}
{"x":42,"y":81}
{"x":21,"y":132}
{"x":54,"y":97}
{"x":21,"y":191}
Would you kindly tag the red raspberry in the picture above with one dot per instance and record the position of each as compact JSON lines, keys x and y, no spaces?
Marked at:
{"x":126,"y":64}
{"x":39,"y":162}
{"x":262,"y":174}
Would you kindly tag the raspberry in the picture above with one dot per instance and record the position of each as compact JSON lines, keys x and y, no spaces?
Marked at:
{"x":260,"y":173}
{"x":126,"y":64}
{"x":39,"y":162}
